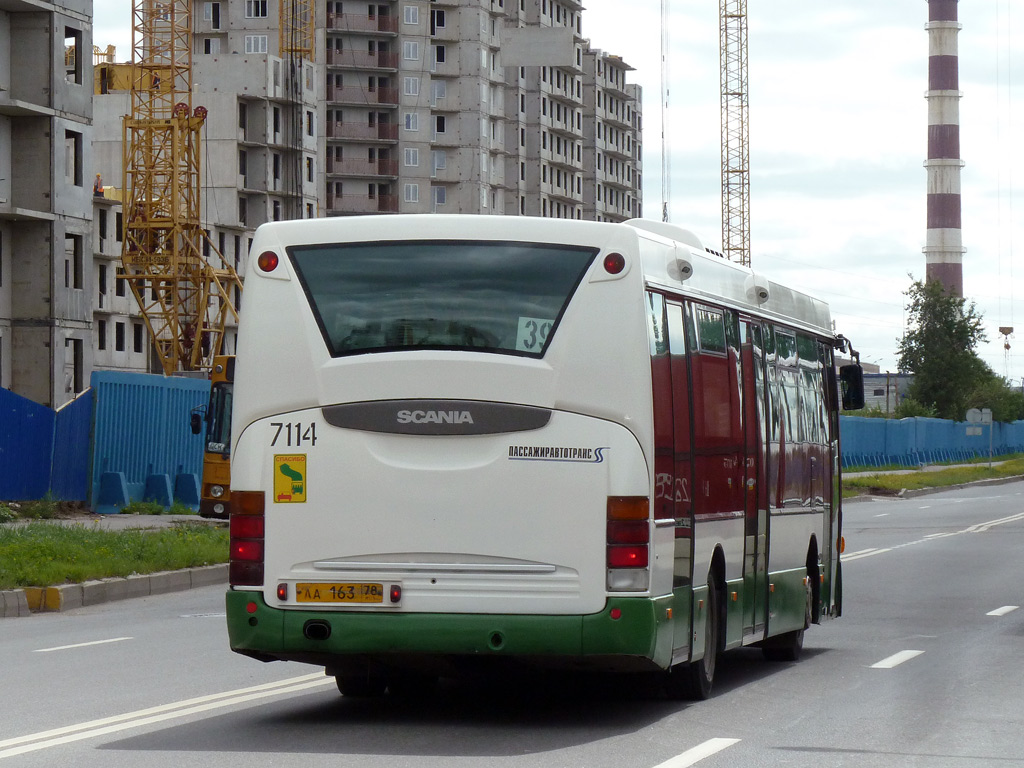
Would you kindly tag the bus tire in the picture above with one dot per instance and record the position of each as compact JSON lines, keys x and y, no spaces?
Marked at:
{"x":412,"y":684}
{"x":361,"y":685}
{"x":788,"y":646}
{"x":693,"y":681}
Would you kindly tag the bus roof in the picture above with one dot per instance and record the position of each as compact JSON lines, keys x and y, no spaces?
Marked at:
{"x":673,"y":258}
{"x":693,"y":270}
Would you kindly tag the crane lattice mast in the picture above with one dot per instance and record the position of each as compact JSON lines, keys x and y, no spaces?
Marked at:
{"x":735,"y":132}
{"x":295,"y":44}
{"x":185,"y":301}
{"x":666,"y":165}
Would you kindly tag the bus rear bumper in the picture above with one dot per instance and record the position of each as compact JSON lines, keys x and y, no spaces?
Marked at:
{"x":630,"y":633}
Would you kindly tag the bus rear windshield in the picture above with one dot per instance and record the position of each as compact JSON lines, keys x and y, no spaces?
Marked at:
{"x":485,"y":296}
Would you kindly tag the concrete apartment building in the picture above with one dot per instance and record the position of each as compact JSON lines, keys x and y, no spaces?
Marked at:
{"x":613,"y":154}
{"x":454,"y":106}
{"x":46,"y":217}
{"x":473,"y":106}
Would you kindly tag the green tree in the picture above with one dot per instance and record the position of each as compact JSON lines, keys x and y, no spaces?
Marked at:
{"x":909,"y":408}
{"x":939,"y":350}
{"x":1007,"y":403}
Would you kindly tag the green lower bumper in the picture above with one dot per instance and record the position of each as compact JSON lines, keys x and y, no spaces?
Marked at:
{"x":643,"y":631}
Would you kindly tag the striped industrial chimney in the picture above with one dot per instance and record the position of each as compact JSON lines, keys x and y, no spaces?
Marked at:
{"x":944,"y":246}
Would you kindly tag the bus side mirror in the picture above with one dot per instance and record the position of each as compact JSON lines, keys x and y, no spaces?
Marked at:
{"x":851,"y":384}
{"x":195,"y":421}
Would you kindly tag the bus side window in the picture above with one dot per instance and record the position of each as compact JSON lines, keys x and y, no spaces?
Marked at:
{"x":661,"y":379}
{"x":682,"y":571}
{"x":718,"y":449}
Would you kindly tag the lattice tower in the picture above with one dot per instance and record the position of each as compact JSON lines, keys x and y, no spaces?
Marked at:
{"x":296,"y":27}
{"x":735,"y":132}
{"x":185,"y":300}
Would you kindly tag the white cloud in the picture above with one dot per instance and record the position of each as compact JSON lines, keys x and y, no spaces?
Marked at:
{"x":838,"y":140}
{"x":838,"y":127}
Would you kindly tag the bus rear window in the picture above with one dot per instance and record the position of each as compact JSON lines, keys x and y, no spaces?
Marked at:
{"x":489,"y":296}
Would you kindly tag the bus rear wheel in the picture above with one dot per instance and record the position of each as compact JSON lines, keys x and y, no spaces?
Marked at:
{"x":412,"y":684}
{"x":693,"y":681}
{"x":361,"y":685}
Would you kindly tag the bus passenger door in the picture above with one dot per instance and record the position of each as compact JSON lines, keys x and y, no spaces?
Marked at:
{"x":683,"y":456}
{"x":755,"y":586}
{"x":672,"y":458}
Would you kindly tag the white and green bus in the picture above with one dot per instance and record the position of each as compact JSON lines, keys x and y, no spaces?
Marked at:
{"x":463,"y":440}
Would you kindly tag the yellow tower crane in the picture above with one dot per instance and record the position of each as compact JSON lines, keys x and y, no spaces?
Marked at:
{"x":185,"y":300}
{"x":295,"y":44}
{"x":295,"y":28}
{"x":735,"y":132}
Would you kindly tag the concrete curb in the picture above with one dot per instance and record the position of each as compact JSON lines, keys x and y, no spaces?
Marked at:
{"x":25,"y":602}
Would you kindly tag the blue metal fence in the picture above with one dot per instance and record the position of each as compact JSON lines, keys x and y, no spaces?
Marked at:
{"x":125,"y":439}
{"x":911,"y":442}
{"x":143,"y":447}
{"x":72,"y":449}
{"x":26,"y":448}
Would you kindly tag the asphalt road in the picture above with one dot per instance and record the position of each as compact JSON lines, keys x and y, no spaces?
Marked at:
{"x":924,"y":669}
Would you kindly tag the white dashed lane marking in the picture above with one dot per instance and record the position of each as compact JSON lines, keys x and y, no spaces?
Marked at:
{"x":896,"y":659}
{"x":82,"y":645}
{"x":698,"y":753}
{"x":1003,"y":611}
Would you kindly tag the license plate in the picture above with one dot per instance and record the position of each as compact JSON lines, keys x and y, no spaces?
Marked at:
{"x":339,"y":593}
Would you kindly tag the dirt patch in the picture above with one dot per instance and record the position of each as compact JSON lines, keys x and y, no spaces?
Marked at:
{"x":49,"y":510}
{"x":874,"y":490}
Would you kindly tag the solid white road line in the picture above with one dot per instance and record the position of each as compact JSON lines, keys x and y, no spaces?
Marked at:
{"x":896,"y":659}
{"x":81,"y":645}
{"x":864,"y":553}
{"x":1003,"y":611}
{"x":978,"y":528}
{"x":698,"y":753}
{"x":92,"y":728}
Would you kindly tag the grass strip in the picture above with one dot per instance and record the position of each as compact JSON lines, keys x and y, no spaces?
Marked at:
{"x":43,"y":554}
{"x":881,"y":484}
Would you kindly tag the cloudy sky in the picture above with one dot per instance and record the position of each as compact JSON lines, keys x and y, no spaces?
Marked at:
{"x":838,"y":126}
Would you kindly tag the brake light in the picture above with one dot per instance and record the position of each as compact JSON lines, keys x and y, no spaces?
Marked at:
{"x":268,"y":261}
{"x":628,"y":540}
{"x":246,"y":527}
{"x":614,"y":263}
{"x":250,"y":551}
{"x":627,"y":557}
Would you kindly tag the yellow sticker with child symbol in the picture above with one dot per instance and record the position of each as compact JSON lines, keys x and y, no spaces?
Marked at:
{"x":289,"y":478}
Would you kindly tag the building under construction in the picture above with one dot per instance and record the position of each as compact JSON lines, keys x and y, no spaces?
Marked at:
{"x":46,"y":208}
{"x":446,"y":107}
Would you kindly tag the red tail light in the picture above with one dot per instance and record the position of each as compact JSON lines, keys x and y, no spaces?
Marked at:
{"x":249,"y":551}
{"x":629,"y":531}
{"x":627,"y":557}
{"x":246,"y":526}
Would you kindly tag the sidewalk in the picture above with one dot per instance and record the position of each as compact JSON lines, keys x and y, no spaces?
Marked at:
{"x":24,"y":602}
